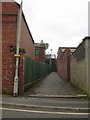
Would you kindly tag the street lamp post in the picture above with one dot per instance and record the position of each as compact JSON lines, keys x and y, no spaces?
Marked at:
{"x":17,"y":55}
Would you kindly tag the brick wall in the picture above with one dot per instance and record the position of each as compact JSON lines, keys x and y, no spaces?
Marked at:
{"x":9,"y":8}
{"x":0,"y":49}
{"x":21,"y":75}
{"x":26,"y":41}
{"x":63,"y":64}
{"x":41,"y":56}
{"x":8,"y":60}
{"x":9,"y":35}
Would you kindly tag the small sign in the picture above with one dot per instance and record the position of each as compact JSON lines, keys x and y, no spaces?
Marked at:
{"x":16,"y":55}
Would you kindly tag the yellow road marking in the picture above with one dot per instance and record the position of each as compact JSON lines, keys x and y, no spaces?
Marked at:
{"x":44,"y":112}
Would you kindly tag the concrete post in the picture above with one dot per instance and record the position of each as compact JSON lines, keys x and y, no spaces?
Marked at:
{"x":15,"y":90}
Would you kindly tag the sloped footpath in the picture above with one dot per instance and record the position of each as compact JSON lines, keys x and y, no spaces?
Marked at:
{"x":52,"y":94}
{"x":54,"y":87}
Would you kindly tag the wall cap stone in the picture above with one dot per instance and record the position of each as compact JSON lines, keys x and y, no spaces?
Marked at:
{"x":87,"y":37}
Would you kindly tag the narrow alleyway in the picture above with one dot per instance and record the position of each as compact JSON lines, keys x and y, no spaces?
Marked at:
{"x":52,"y":85}
{"x":40,"y":106}
{"x":39,"y":103}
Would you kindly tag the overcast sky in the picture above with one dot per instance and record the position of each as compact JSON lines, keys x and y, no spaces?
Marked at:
{"x":61,"y":23}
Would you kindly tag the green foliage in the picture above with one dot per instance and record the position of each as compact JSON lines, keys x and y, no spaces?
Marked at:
{"x":45,"y":45}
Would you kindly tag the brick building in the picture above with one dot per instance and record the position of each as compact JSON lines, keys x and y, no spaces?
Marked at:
{"x":63,"y":61}
{"x":39,"y":53}
{"x":10,"y":14}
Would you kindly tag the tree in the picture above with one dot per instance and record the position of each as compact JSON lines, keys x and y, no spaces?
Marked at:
{"x":45,"y":45}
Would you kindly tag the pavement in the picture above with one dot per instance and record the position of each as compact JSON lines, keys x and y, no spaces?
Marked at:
{"x":46,"y":103}
{"x":51,"y":93}
{"x":23,"y":107}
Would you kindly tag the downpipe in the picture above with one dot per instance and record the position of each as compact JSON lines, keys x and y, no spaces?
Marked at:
{"x":17,"y":55}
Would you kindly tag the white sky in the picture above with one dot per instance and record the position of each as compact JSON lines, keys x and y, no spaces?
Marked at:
{"x":60,"y":23}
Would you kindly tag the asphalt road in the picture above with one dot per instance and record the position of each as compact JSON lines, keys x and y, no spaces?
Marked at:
{"x":13,"y":112}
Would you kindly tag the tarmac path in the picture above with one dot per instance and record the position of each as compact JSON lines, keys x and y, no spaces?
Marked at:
{"x":52,"y":85}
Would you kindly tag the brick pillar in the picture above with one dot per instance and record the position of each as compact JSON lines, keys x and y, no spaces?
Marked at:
{"x":21,"y":76}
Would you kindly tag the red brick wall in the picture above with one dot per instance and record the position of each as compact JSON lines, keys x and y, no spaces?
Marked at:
{"x":26,"y":41}
{"x":63,"y":64}
{"x":0,"y":49}
{"x":41,"y":56}
{"x":8,"y":60}
{"x":9,"y":8}
{"x":21,"y":75}
{"x":8,"y":38}
{"x":9,"y":31}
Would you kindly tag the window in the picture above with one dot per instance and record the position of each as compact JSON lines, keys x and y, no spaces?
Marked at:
{"x":36,"y":52}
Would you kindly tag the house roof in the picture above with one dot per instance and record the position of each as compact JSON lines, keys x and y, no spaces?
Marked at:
{"x":67,"y":47}
{"x":38,"y":45}
{"x":63,"y":49}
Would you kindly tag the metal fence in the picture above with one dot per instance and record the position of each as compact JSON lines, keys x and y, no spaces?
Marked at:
{"x":34,"y":70}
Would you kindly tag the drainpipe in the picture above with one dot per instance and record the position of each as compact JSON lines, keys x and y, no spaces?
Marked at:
{"x":17,"y":55}
{"x":51,"y":60}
